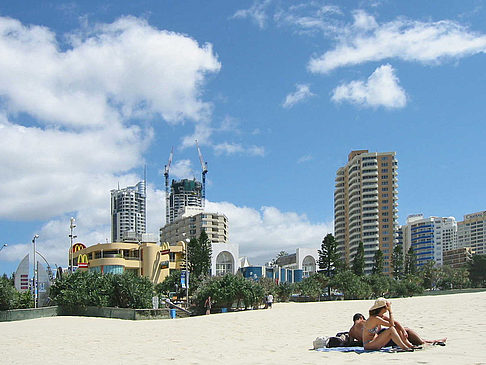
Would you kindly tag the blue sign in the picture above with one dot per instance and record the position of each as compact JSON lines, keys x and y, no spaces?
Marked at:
{"x":183,"y":279}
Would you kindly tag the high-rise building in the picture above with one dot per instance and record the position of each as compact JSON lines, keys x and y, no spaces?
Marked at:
{"x":128,"y":212}
{"x":472,"y":232}
{"x":190,"y":226}
{"x":185,"y":196}
{"x":429,"y":237}
{"x":365,"y":206}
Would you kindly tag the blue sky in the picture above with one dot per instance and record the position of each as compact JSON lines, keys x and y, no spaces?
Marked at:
{"x":277,"y":93}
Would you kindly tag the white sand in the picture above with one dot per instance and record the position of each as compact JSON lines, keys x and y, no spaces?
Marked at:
{"x":282,"y":335}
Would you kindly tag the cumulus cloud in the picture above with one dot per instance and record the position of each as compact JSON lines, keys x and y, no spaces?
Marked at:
{"x":381,"y":89}
{"x":428,"y":42}
{"x":182,"y":169}
{"x":83,"y":99}
{"x":262,"y":233}
{"x":301,"y":93}
{"x":107,"y":72}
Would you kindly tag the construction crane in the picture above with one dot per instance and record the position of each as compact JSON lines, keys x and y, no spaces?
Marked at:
{"x":204,"y":167}
{"x":167,"y":198}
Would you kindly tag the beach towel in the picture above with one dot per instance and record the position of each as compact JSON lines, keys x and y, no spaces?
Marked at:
{"x":356,"y":349}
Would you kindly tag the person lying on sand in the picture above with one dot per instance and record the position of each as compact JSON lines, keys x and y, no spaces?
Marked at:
{"x":356,"y":333}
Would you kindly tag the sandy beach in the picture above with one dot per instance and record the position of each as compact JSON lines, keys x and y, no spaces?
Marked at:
{"x":282,"y":335}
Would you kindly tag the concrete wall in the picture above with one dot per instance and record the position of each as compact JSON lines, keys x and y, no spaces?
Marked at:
{"x":21,"y":314}
{"x":103,"y":312}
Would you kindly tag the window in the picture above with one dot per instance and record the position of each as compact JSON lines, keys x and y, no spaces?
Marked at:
{"x":384,"y":158}
{"x":384,"y":195}
{"x":384,"y":226}
{"x":384,"y":189}
{"x":384,"y":171}
{"x":385,"y":202}
{"x":224,"y":263}
{"x":385,"y":182}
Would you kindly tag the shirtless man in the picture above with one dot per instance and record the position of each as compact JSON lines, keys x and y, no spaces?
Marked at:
{"x":356,"y":332}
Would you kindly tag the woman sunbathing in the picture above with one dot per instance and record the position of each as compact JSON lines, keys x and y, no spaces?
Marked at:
{"x":373,"y":339}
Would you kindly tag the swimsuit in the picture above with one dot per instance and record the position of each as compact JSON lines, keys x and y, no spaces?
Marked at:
{"x":373,"y":331}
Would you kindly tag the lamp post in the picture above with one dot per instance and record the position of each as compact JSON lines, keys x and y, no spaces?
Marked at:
{"x":4,"y":245}
{"x":35,"y":272}
{"x":72,"y":237}
{"x":187,"y":270}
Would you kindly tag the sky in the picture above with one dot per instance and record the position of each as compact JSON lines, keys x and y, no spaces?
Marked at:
{"x":277,"y":93}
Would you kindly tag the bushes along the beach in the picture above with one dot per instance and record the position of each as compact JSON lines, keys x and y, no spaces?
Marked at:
{"x":228,"y":290}
{"x":83,"y":289}
{"x":10,"y":298}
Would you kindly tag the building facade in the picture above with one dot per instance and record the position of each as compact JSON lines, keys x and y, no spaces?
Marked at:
{"x":147,"y":259}
{"x":128,"y":211}
{"x":429,"y":237}
{"x":366,"y":207}
{"x":185,"y":195}
{"x":458,"y":257}
{"x":190,"y":226}
{"x":471,"y":232}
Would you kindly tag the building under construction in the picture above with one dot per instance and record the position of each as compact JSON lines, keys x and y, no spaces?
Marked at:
{"x":185,"y":197}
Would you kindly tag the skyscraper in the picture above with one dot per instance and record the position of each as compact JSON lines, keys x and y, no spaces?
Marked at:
{"x":429,"y":237}
{"x":471,"y":232}
{"x":365,"y":206}
{"x":128,"y":211}
{"x":185,"y":198}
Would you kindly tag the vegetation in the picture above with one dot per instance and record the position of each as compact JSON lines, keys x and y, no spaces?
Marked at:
{"x":10,"y":298}
{"x":397,"y":262}
{"x":378,"y":263}
{"x":82,"y":289}
{"x":329,"y":258}
{"x":228,"y":290}
{"x":200,"y":253}
{"x":410,"y":262}
{"x":359,"y":261}
{"x":477,"y":271}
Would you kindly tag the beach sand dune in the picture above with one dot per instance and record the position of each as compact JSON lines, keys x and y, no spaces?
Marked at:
{"x":281,"y":335}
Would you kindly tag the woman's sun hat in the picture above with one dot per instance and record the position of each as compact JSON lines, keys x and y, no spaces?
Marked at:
{"x":379,"y":303}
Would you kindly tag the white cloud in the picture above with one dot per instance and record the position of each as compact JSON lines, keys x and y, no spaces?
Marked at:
{"x":381,"y":89}
{"x":305,"y":158}
{"x":257,"y":12}
{"x":236,"y":148}
{"x":107,"y":73}
{"x":182,"y":169}
{"x":85,"y":97}
{"x":263,"y":233}
{"x":309,"y":17}
{"x":301,"y":93}
{"x":429,"y":42}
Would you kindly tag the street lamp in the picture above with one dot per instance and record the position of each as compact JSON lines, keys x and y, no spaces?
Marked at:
{"x":187,"y":270}
{"x":35,"y":272}
{"x":72,"y":237}
{"x":4,"y":245}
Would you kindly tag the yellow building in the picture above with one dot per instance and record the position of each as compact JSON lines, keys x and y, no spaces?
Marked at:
{"x":144,"y":259}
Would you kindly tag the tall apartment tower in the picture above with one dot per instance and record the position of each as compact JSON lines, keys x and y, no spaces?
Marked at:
{"x":185,"y":197}
{"x":365,"y":206}
{"x":471,"y":232}
{"x":429,"y":237}
{"x":128,"y":212}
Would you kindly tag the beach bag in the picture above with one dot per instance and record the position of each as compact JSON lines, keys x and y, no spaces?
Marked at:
{"x":320,"y":342}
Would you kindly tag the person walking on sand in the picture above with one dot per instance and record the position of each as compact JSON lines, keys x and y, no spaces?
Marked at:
{"x":373,"y":339}
{"x":207,"y":305}
{"x":269,"y":300}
